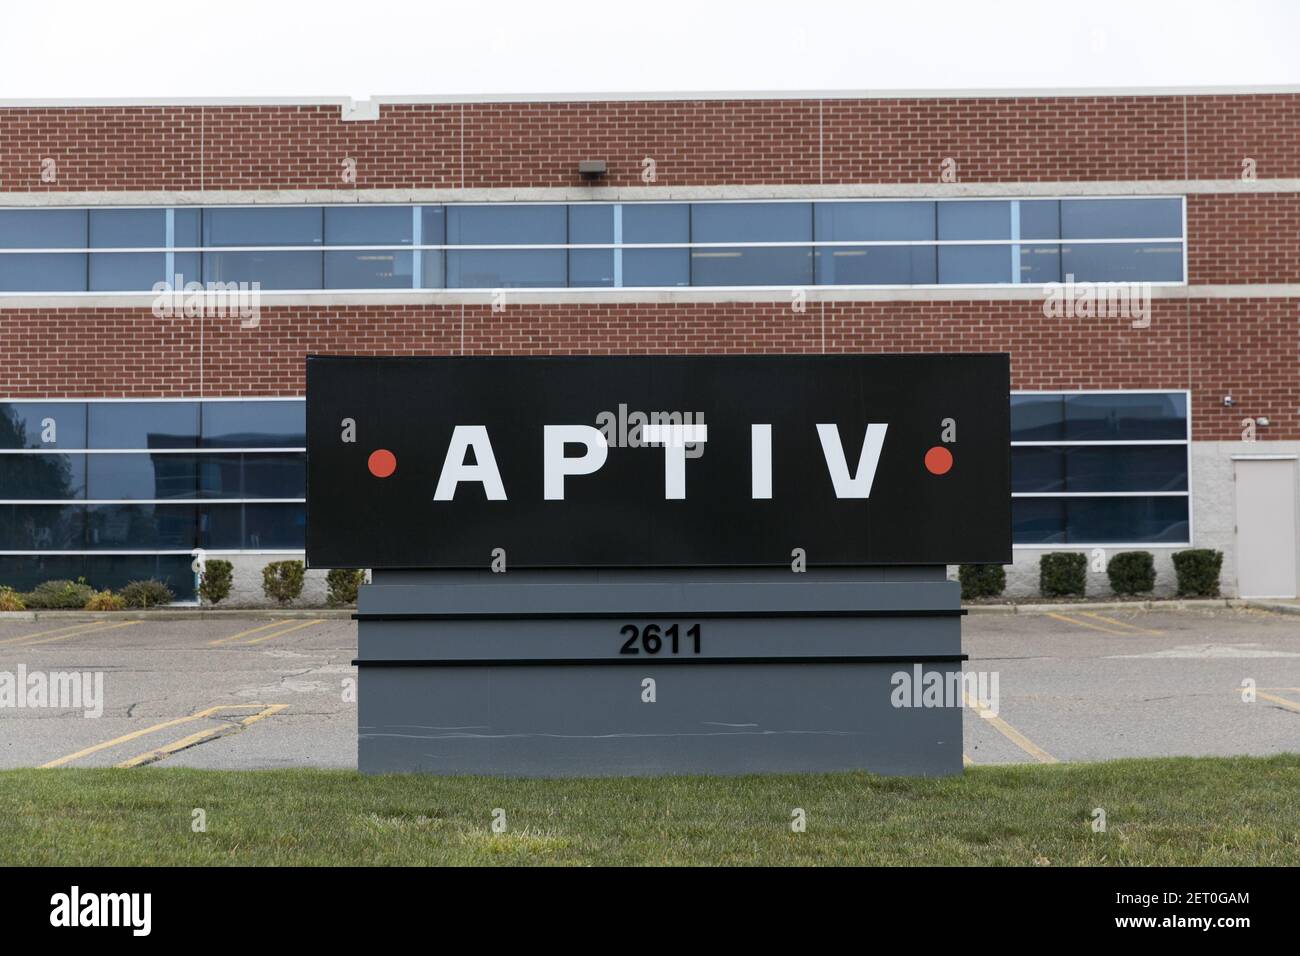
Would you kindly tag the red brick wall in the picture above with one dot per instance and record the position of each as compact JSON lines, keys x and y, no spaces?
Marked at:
{"x":1243,"y":239}
{"x":704,"y":142}
{"x":1247,"y":348}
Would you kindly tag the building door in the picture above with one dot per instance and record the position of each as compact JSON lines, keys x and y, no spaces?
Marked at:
{"x":1266,"y":526}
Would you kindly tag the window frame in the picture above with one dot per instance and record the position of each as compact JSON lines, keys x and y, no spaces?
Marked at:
{"x":1185,"y":441}
{"x":1014,"y":244}
{"x":196,"y":502}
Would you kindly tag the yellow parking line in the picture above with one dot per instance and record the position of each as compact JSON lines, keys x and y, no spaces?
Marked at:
{"x":1013,"y":735}
{"x":98,"y":629}
{"x":287,"y":630}
{"x":1111,"y":620}
{"x":152,"y":756}
{"x":1280,"y":701}
{"x":966,"y":761}
{"x":251,"y":630}
{"x":1095,"y":627}
{"x":96,"y":748}
{"x":67,"y":627}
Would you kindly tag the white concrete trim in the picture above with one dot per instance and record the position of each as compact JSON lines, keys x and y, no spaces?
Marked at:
{"x":693,"y":295}
{"x":1154,"y":188}
{"x":657,"y":96}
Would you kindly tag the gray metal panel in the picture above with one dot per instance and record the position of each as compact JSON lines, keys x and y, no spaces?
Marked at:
{"x":627,"y":599}
{"x":521,"y":717}
{"x":719,"y":637}
{"x":587,"y":721}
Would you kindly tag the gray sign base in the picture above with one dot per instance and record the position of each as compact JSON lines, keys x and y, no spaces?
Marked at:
{"x":637,"y":673}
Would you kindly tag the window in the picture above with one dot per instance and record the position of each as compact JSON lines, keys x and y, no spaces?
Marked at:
{"x":42,"y":229}
{"x":284,"y":226}
{"x":596,"y":245}
{"x":506,"y":226}
{"x":876,"y":222}
{"x":369,"y":226}
{"x":118,"y":490}
{"x":718,"y":223}
{"x":1100,"y":468}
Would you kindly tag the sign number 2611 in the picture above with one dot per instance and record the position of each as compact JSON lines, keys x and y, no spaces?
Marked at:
{"x":652,"y":639}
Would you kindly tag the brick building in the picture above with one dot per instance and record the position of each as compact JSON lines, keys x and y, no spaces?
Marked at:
{"x":1137,"y":253}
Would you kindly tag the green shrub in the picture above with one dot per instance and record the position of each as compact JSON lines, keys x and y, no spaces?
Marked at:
{"x":214,"y":583}
{"x":282,"y":580}
{"x":11,"y":600}
{"x":981,"y":580}
{"x":1132,"y":572}
{"x":105,"y":601}
{"x":1198,"y":572}
{"x":148,"y":593}
{"x":59,"y":595}
{"x":1063,"y":574}
{"x":343,"y":585}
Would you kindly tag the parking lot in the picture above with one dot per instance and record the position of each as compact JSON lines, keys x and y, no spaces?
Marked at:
{"x":259,"y":692}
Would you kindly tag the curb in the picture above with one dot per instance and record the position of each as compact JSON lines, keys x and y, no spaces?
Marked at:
{"x":179,"y":614}
{"x":1173,"y":604}
{"x":1281,"y":607}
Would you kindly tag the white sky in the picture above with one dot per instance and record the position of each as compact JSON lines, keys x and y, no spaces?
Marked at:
{"x":174,"y":48}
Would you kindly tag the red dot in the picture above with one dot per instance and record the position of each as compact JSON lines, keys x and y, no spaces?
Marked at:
{"x":938,"y":460}
{"x":382,"y":463}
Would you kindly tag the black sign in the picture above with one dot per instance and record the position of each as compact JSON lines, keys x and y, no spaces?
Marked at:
{"x":658,"y":461}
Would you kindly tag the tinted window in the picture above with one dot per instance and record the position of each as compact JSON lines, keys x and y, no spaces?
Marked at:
{"x":368,"y":225}
{"x":656,"y":223}
{"x":1078,"y":468}
{"x":42,"y":229}
{"x":974,"y":264}
{"x":114,"y":571}
{"x":41,"y":272}
{"x":282,"y":226}
{"x":1040,"y":264}
{"x":116,"y":477}
{"x":876,"y":221}
{"x":1123,"y":520}
{"x":42,"y":527}
{"x":506,"y":225}
{"x":1123,"y":262}
{"x":274,"y":527}
{"x":275,"y":476}
{"x":1040,"y":219}
{"x":143,"y":425}
{"x":254,"y":424}
{"x":975,"y":220}
{"x":139,"y":228}
{"x":876,"y":265}
{"x":507,"y":269}
{"x":1121,"y":218}
{"x":751,"y":222}
{"x":221,"y":476}
{"x":1127,"y":417}
{"x":299,"y":271}
{"x":140,"y":527}
{"x":1038,"y":520}
{"x":43,"y":477}
{"x":127,"y":271}
{"x":25,"y":424}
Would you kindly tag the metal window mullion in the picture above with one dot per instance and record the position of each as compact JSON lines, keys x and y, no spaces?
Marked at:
{"x":417,"y":252}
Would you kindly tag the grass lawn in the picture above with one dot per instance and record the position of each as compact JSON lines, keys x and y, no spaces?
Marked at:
{"x":1174,"y":811}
